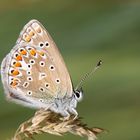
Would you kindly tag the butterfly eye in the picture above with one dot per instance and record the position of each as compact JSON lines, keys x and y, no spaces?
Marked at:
{"x":78,"y":95}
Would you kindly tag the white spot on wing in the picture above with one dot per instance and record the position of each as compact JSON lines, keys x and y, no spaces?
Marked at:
{"x":42,"y":63}
{"x":32,"y":61}
{"x":28,"y":72}
{"x":41,"y":45}
{"x":57,"y":81}
{"x":26,"y":84}
{"x":29,"y":66}
{"x":47,"y":44}
{"x":24,"y":65}
{"x":42,"y":89}
{"x":29,"y":92}
{"x":29,"y":29}
{"x":29,"y":78}
{"x":47,"y":85}
{"x":41,"y":100}
{"x":42,"y":75}
{"x":35,"y":25}
{"x":52,"y":68}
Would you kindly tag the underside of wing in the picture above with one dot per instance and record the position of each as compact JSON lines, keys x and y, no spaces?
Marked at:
{"x":49,"y":68}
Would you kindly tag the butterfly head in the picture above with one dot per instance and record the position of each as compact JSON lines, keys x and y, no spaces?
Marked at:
{"x":78,"y":94}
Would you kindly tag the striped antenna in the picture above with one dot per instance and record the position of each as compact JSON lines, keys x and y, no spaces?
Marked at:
{"x":88,"y":74}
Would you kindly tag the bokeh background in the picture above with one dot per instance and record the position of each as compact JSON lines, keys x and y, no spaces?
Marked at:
{"x":85,"y":31}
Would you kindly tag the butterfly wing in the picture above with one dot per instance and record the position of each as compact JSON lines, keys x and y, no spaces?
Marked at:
{"x":34,"y":68}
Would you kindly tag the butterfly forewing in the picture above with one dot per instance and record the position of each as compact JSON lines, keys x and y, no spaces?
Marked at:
{"x":35,"y":67}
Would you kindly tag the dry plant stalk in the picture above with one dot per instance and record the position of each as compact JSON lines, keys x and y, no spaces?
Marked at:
{"x":49,"y":122}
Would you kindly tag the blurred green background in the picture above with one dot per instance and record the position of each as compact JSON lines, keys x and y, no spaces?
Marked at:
{"x":84,"y":31}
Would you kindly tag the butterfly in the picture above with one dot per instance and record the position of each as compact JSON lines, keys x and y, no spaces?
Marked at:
{"x":34,"y":73}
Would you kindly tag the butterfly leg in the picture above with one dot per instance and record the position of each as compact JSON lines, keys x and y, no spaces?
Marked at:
{"x":73,"y":111}
{"x":66,"y":115}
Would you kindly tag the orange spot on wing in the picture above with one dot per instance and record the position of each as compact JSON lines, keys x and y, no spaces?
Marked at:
{"x":17,"y":64}
{"x":18,"y":57}
{"x":14,"y":72}
{"x":41,"y":53}
{"x":23,"y":52}
{"x":31,"y":33}
{"x":15,"y":79}
{"x":33,"y":52}
{"x":13,"y":83}
{"x":27,"y":39}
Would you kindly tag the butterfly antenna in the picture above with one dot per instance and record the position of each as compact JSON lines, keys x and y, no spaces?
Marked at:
{"x":88,"y":74}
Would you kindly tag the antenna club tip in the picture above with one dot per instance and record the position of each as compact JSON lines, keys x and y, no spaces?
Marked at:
{"x":99,"y":63}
